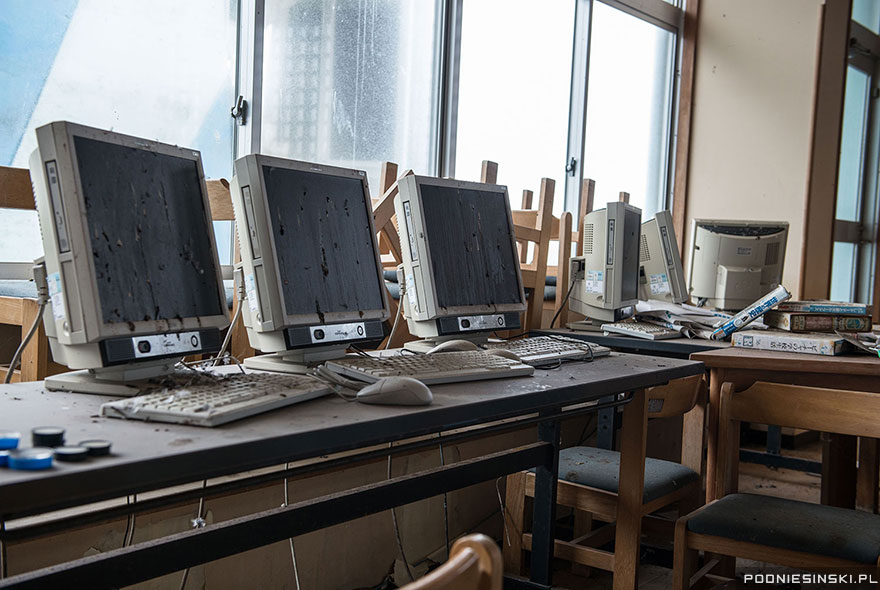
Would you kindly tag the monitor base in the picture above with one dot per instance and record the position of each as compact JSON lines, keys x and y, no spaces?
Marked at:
{"x":124,"y":381}
{"x":424,"y":346}
{"x":276,"y":363}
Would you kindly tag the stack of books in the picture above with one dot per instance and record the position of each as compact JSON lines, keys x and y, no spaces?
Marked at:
{"x":809,"y":327}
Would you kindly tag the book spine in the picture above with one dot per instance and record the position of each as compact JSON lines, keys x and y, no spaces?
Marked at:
{"x":826,"y":308}
{"x":830,"y":323}
{"x":787,"y":343}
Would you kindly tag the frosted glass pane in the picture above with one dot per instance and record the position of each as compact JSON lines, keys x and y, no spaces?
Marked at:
{"x":628,"y":109}
{"x":163,"y":70}
{"x":514,"y":92}
{"x":852,"y":145}
{"x":351,"y":83}
{"x":843,"y":271}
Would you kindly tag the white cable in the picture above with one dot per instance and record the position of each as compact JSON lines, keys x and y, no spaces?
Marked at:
{"x":396,"y":321}
{"x":241,"y":297}
{"x":39,"y":272}
{"x":397,"y":529}
{"x":290,"y":539}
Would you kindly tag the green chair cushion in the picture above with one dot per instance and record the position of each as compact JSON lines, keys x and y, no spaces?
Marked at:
{"x":790,"y":524}
{"x":600,"y":468}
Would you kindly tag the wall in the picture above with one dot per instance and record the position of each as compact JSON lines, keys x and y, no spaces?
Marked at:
{"x":752,"y":115}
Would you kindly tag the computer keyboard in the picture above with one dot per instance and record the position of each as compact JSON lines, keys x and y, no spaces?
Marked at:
{"x":441,"y":367}
{"x":645,"y":330}
{"x":543,"y":350}
{"x":213,"y":399}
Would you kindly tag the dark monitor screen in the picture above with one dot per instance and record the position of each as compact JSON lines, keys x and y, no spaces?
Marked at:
{"x":149,"y":234}
{"x":472,"y":249}
{"x":323,"y":242}
{"x":632,"y":233}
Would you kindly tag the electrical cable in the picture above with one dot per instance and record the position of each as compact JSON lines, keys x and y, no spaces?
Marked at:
{"x":39,"y":272}
{"x":290,"y":539}
{"x":241,"y":297}
{"x":2,"y":550}
{"x":396,"y":321}
{"x":562,"y":306}
{"x":445,"y":498}
{"x":128,"y":537}
{"x":397,"y":529}
{"x":197,"y":523}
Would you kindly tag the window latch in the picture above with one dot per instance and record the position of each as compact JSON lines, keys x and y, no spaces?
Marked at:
{"x":239,"y":110}
{"x":571,"y":168}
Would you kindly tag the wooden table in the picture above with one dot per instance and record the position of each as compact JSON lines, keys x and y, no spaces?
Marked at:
{"x":150,"y":456}
{"x":743,"y":366}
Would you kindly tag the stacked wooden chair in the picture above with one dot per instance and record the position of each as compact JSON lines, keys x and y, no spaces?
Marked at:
{"x":474,"y":564}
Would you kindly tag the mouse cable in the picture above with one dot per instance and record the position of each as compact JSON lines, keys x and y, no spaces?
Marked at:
{"x":397,"y":528}
{"x":343,"y":387}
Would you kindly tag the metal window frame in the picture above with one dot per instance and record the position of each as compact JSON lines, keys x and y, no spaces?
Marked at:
{"x":666,"y":15}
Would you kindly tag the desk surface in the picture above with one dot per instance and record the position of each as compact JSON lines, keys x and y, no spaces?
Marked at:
{"x":673,"y":347}
{"x":154,"y":455}
{"x":759,"y":360}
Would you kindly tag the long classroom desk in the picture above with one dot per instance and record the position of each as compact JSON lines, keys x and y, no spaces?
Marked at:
{"x":743,"y":366}
{"x":151,"y":456}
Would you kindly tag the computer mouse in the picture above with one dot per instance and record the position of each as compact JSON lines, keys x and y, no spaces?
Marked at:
{"x":503,"y":353}
{"x":454,"y":346}
{"x":396,"y":391}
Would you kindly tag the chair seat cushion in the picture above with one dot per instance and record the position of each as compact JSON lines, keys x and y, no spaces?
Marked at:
{"x":600,"y":469}
{"x":18,"y":288}
{"x":794,"y":525}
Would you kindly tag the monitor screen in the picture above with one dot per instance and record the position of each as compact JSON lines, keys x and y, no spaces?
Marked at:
{"x":632,"y":231}
{"x":323,"y":242}
{"x":472,"y":249}
{"x":148,"y":228}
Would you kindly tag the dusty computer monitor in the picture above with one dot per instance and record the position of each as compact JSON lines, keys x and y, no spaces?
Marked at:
{"x":606,"y":277}
{"x":661,"y":275}
{"x":311,"y":261}
{"x":132,"y":267}
{"x":735,"y":263}
{"x":460,"y":268}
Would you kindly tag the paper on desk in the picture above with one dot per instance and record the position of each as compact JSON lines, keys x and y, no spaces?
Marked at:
{"x":691,"y":321}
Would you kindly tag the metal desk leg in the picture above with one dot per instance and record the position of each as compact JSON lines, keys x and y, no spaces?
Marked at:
{"x":605,"y":429}
{"x":544,"y":514}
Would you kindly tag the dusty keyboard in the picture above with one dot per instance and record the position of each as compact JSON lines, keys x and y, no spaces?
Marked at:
{"x":217,"y":399}
{"x":543,"y":350}
{"x":645,"y":330}
{"x":441,"y":367}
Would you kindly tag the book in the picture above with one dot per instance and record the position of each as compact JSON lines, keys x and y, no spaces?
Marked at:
{"x":826,"y":307}
{"x":809,"y":343}
{"x":811,"y":322}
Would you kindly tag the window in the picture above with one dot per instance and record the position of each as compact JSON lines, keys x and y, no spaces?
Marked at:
{"x":163,"y":70}
{"x":629,"y":109}
{"x":351,"y":83}
{"x":514,"y":89}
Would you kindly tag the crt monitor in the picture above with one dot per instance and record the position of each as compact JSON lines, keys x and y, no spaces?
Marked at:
{"x":132,"y":267}
{"x":460,"y":268}
{"x":311,"y":263}
{"x":606,"y":277}
{"x":661,"y":275}
{"x":735,"y":263}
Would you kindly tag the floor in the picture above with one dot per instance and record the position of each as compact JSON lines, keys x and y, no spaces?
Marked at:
{"x":753,"y":479}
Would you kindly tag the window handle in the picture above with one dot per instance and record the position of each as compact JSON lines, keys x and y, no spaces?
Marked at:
{"x":571,"y":168}
{"x":239,"y":110}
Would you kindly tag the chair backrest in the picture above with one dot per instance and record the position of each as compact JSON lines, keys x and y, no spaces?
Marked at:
{"x":812,"y":408}
{"x":220,"y":200}
{"x":683,"y":397}
{"x":474,"y":564}
{"x":16,"y":191}
{"x":383,"y":216}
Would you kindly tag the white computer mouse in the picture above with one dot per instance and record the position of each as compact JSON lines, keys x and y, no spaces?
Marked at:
{"x":396,"y":391}
{"x":454,"y":346}
{"x":503,"y":353}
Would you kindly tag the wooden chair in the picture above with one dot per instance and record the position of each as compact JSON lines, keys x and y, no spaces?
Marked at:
{"x":474,"y":564}
{"x":779,"y":530}
{"x":589,"y":479}
{"x":535,"y":227}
